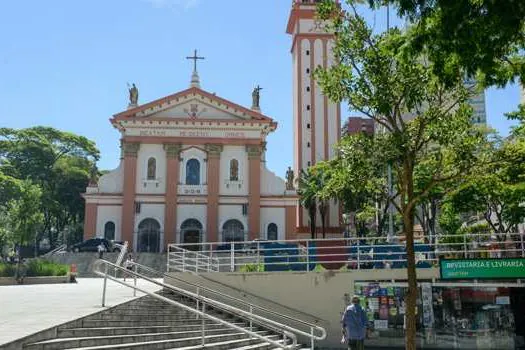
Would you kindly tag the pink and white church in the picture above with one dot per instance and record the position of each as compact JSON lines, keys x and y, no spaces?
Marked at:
{"x":193,"y":165}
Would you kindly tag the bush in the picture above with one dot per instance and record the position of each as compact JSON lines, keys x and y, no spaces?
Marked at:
{"x":7,"y":270}
{"x":39,"y":267}
{"x":319,"y":268}
{"x":252,"y":268}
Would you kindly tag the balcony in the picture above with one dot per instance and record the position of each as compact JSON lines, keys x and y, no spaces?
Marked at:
{"x":196,"y":190}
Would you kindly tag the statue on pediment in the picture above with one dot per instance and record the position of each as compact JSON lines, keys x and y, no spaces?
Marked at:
{"x":133,"y":95}
{"x":256,"y":96}
{"x":289,"y":179}
{"x":93,"y":176}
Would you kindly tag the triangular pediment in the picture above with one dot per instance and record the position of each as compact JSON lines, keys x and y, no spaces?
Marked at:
{"x":193,"y":104}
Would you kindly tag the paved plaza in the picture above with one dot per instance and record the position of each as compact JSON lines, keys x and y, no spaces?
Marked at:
{"x":26,"y":309}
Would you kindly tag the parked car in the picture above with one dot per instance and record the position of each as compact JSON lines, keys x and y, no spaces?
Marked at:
{"x":91,"y":245}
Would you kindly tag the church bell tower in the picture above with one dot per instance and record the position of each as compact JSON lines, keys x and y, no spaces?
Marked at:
{"x":316,"y":119}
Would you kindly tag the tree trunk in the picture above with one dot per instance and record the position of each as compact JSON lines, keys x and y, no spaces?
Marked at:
{"x":408,"y":227}
{"x":432,"y":217}
{"x":312,"y":212}
{"x":322,"y":213}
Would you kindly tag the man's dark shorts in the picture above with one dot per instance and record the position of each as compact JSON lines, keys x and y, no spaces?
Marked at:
{"x":354,"y":344}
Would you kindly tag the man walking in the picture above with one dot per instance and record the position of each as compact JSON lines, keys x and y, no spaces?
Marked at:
{"x":354,"y":324}
{"x":100,"y":250}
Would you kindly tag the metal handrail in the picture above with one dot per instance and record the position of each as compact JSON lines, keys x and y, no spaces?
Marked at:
{"x":183,"y":255}
{"x":363,"y":250}
{"x":251,"y":306}
{"x":204,"y":301}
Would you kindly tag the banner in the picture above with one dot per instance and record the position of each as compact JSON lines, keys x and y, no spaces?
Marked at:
{"x":482,"y":268}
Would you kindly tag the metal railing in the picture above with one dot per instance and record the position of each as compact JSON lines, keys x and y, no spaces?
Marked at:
{"x":336,"y":253}
{"x":182,"y":259}
{"x":252,"y":308}
{"x":60,"y":249}
{"x":123,"y":250}
{"x":103,"y":268}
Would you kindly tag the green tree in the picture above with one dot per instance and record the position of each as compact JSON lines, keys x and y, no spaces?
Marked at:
{"x":9,"y":190}
{"x":497,"y":191}
{"x":24,"y":216}
{"x":307,"y":191}
{"x":423,"y":119}
{"x":356,"y":179}
{"x":479,"y":37}
{"x":59,"y":162}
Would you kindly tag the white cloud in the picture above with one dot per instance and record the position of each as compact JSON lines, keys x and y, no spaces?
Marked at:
{"x":174,"y":4}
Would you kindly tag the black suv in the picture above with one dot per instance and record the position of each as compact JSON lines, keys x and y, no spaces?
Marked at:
{"x":91,"y":245}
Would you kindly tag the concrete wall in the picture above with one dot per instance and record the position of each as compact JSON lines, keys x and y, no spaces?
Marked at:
{"x":85,"y":261}
{"x":318,"y":297}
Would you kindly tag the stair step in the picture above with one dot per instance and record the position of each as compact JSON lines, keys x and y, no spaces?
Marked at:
{"x":171,"y":343}
{"x":258,"y":346}
{"x":138,"y":317}
{"x":242,"y":343}
{"x":104,"y":331}
{"x":134,"y":323}
{"x":61,"y":343}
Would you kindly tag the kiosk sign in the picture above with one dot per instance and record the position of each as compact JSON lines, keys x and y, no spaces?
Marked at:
{"x":482,"y":268}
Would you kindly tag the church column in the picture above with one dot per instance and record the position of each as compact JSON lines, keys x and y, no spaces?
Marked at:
{"x":131,"y":150}
{"x":170,"y":202}
{"x":90,"y":220}
{"x":254,"y":194}
{"x":290,"y":222}
{"x":212,"y":220}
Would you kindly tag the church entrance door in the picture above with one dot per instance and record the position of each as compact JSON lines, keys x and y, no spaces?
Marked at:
{"x":149,"y":236}
{"x":191,"y":232}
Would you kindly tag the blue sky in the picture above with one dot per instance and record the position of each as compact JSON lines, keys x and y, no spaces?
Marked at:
{"x":66,"y":63}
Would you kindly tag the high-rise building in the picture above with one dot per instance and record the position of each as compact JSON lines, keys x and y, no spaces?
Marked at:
{"x":356,"y":125}
{"x":477,"y":101}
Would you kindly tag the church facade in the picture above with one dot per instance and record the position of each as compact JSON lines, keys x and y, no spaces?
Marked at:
{"x":193,"y":165}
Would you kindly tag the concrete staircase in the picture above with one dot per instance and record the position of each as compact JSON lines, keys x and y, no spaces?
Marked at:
{"x":149,"y":323}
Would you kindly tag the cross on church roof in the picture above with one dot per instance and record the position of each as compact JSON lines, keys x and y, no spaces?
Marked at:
{"x":194,"y":58}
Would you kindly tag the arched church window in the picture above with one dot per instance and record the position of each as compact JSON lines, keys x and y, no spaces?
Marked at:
{"x":234,"y":170}
{"x":272,"y":232}
{"x":152,"y":168}
{"x":109,"y":230}
{"x":193,"y":172}
{"x":233,"y":231}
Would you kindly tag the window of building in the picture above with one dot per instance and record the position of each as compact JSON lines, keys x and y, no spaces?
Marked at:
{"x":307,"y":107}
{"x":308,"y":144}
{"x":109,"y":231}
{"x":307,"y":52}
{"x":234,"y":170}
{"x":308,"y":89}
{"x":309,"y":163}
{"x":308,"y":126}
{"x":152,"y":168}
{"x":193,"y":172}
{"x":307,"y":70}
{"x":271,"y":232}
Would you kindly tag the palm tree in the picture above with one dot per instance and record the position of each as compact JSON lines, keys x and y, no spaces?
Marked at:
{"x":323,"y":208}
{"x":307,"y":191}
